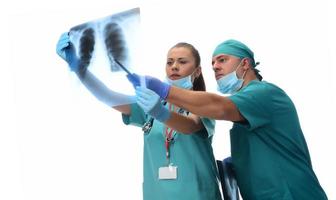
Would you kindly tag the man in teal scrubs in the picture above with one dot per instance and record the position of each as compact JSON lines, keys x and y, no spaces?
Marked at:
{"x":269,"y":153}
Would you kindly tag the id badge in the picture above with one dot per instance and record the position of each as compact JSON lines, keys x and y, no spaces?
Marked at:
{"x":168,"y":172}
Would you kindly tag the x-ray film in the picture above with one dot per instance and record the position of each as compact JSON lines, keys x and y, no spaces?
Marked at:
{"x":104,"y":44}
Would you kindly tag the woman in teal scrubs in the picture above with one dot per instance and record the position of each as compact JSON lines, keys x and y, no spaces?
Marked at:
{"x":178,"y":156}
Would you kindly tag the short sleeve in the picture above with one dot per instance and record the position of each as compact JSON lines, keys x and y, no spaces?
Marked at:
{"x":254,"y":104}
{"x":209,"y":125}
{"x":137,"y":116}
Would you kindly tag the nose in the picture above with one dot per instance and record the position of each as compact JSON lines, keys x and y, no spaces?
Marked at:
{"x":215,"y":66}
{"x":175,"y":67}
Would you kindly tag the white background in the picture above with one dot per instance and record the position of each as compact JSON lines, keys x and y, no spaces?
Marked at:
{"x":59,"y":142}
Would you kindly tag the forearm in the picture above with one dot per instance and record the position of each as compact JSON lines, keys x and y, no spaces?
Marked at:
{"x":204,"y":104}
{"x":184,"y":124}
{"x":111,"y":98}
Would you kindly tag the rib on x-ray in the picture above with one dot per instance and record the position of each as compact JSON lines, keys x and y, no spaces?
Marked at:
{"x":100,"y":45}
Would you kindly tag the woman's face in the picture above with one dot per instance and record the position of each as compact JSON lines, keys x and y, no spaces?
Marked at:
{"x":180,"y":63}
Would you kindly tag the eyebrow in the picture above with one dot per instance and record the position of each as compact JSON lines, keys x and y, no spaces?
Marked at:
{"x":177,"y":58}
{"x":217,"y":58}
{"x":220,"y":57}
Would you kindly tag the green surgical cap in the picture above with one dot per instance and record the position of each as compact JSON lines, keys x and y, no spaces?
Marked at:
{"x":234,"y":48}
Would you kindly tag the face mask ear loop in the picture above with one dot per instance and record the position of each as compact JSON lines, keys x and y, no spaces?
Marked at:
{"x":237,"y":69}
{"x":244,"y":74}
{"x":244,"y":71}
{"x":193,"y":77}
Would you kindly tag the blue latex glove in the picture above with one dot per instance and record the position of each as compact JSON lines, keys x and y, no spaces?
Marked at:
{"x":152,"y":83}
{"x":66,"y":51}
{"x":150,"y":102}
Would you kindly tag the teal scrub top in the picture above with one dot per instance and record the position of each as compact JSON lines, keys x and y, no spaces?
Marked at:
{"x":197,"y":175}
{"x":269,"y":152}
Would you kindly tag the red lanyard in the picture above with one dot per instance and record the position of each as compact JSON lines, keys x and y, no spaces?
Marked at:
{"x":168,"y":137}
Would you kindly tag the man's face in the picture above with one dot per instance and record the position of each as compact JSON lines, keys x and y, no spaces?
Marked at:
{"x":223,"y":64}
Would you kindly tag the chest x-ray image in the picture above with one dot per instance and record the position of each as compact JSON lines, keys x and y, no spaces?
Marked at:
{"x":108,"y":48}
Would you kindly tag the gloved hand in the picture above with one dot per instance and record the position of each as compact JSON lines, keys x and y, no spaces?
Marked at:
{"x":150,"y":102}
{"x":152,"y":83}
{"x":66,"y":51}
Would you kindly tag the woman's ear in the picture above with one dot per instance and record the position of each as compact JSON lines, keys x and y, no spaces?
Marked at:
{"x":197,"y":72}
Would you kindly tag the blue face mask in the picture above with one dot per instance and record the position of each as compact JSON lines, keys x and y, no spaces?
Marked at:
{"x":229,"y":84}
{"x":184,"y":82}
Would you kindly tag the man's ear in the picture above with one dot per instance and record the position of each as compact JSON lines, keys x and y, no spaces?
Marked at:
{"x":246,"y":63}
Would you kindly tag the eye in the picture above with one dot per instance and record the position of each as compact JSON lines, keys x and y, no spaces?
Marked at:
{"x":169,"y":63}
{"x":183,"y":62}
{"x":218,"y":60}
{"x":221,"y":60}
